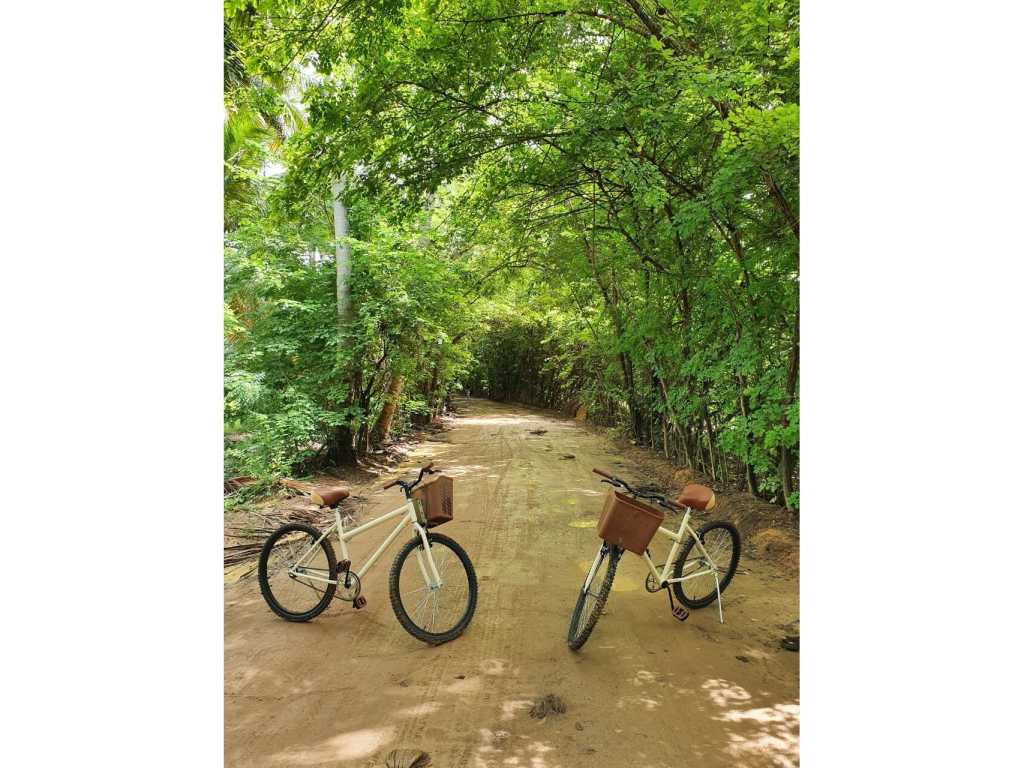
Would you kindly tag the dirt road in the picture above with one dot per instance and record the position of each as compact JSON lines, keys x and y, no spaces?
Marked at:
{"x":646,"y":690}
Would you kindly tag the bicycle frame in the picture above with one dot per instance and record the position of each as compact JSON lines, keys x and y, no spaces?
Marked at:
{"x":678,"y":537}
{"x":409,"y":517}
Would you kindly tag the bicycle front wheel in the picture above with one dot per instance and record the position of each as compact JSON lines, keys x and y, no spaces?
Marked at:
{"x":593,"y":597}
{"x":721,"y":542}
{"x":433,"y":614}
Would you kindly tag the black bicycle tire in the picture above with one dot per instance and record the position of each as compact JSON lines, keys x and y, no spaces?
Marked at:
{"x":723,"y":582}
{"x":432,"y":638}
{"x":268,"y":593}
{"x":577,"y":642}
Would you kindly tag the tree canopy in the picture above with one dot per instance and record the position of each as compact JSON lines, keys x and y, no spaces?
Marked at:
{"x":567,"y":204}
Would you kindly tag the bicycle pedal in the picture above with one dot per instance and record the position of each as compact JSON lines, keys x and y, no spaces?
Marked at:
{"x":343,"y":566}
{"x":678,"y":612}
{"x":359,"y":602}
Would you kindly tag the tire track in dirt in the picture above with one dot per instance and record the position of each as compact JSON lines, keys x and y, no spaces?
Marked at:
{"x":488,"y":657}
{"x":482,"y":506}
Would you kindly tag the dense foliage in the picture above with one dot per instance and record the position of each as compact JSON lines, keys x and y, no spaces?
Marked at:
{"x":560,"y":203}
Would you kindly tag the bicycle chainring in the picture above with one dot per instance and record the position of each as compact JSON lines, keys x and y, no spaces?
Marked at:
{"x":350,"y":592}
{"x":652,"y":584}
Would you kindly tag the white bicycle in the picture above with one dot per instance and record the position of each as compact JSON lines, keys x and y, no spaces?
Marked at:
{"x":697,"y":575}
{"x":432,"y":583}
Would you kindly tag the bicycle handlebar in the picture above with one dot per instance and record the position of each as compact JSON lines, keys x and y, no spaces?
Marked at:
{"x":427,"y":470}
{"x":659,"y":499}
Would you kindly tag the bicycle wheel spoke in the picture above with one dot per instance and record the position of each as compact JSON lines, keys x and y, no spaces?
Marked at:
{"x":296,"y":589}
{"x":707,"y":564}
{"x":435,"y":608}
{"x":718,"y":546}
{"x":442,"y":566}
{"x":423,"y":603}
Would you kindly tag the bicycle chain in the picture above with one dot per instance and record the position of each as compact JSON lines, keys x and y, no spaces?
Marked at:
{"x":359,"y":589}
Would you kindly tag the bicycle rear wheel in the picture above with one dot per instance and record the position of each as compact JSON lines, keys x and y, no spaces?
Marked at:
{"x":297,"y":594}
{"x":721,"y":540}
{"x":593,"y":597}
{"x":433,"y":615}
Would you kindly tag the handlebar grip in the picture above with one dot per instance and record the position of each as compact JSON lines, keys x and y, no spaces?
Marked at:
{"x":392,"y":484}
{"x":602,"y":473}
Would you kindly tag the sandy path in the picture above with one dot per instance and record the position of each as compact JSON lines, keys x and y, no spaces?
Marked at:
{"x":646,"y":690}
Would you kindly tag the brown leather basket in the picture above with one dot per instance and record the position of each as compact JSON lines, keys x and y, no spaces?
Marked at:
{"x":628,"y":523}
{"x":436,"y":497}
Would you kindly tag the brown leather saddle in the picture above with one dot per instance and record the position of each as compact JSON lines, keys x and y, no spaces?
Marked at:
{"x":698,"y":497}
{"x":327,"y":496}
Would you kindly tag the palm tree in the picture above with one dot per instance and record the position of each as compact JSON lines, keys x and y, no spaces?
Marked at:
{"x":259,"y":115}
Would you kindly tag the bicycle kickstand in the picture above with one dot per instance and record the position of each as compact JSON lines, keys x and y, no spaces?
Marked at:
{"x":718,"y":591}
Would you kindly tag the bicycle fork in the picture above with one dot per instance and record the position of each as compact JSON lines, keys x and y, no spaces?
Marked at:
{"x":431,"y":577}
{"x":602,"y":551}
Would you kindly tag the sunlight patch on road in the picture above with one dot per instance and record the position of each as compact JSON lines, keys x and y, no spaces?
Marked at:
{"x":469,"y":685}
{"x":623,"y":582}
{"x":589,"y":523}
{"x":511,"y":708}
{"x":459,"y":470}
{"x":490,"y":421}
{"x":773,"y":732}
{"x":723,"y":693}
{"x":420,"y":710}
{"x":344,"y":746}
{"x":493,"y":666}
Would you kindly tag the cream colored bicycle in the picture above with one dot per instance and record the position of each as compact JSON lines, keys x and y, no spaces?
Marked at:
{"x":432,"y":583}
{"x":699,"y":566}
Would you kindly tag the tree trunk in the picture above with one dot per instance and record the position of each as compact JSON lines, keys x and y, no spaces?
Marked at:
{"x":785,"y":462}
{"x":433,"y":389}
{"x":711,"y":440}
{"x":387,"y":414}
{"x":748,"y":471}
{"x":667,"y":416}
{"x":342,"y":253}
{"x":343,"y":451}
{"x":635,"y":412}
